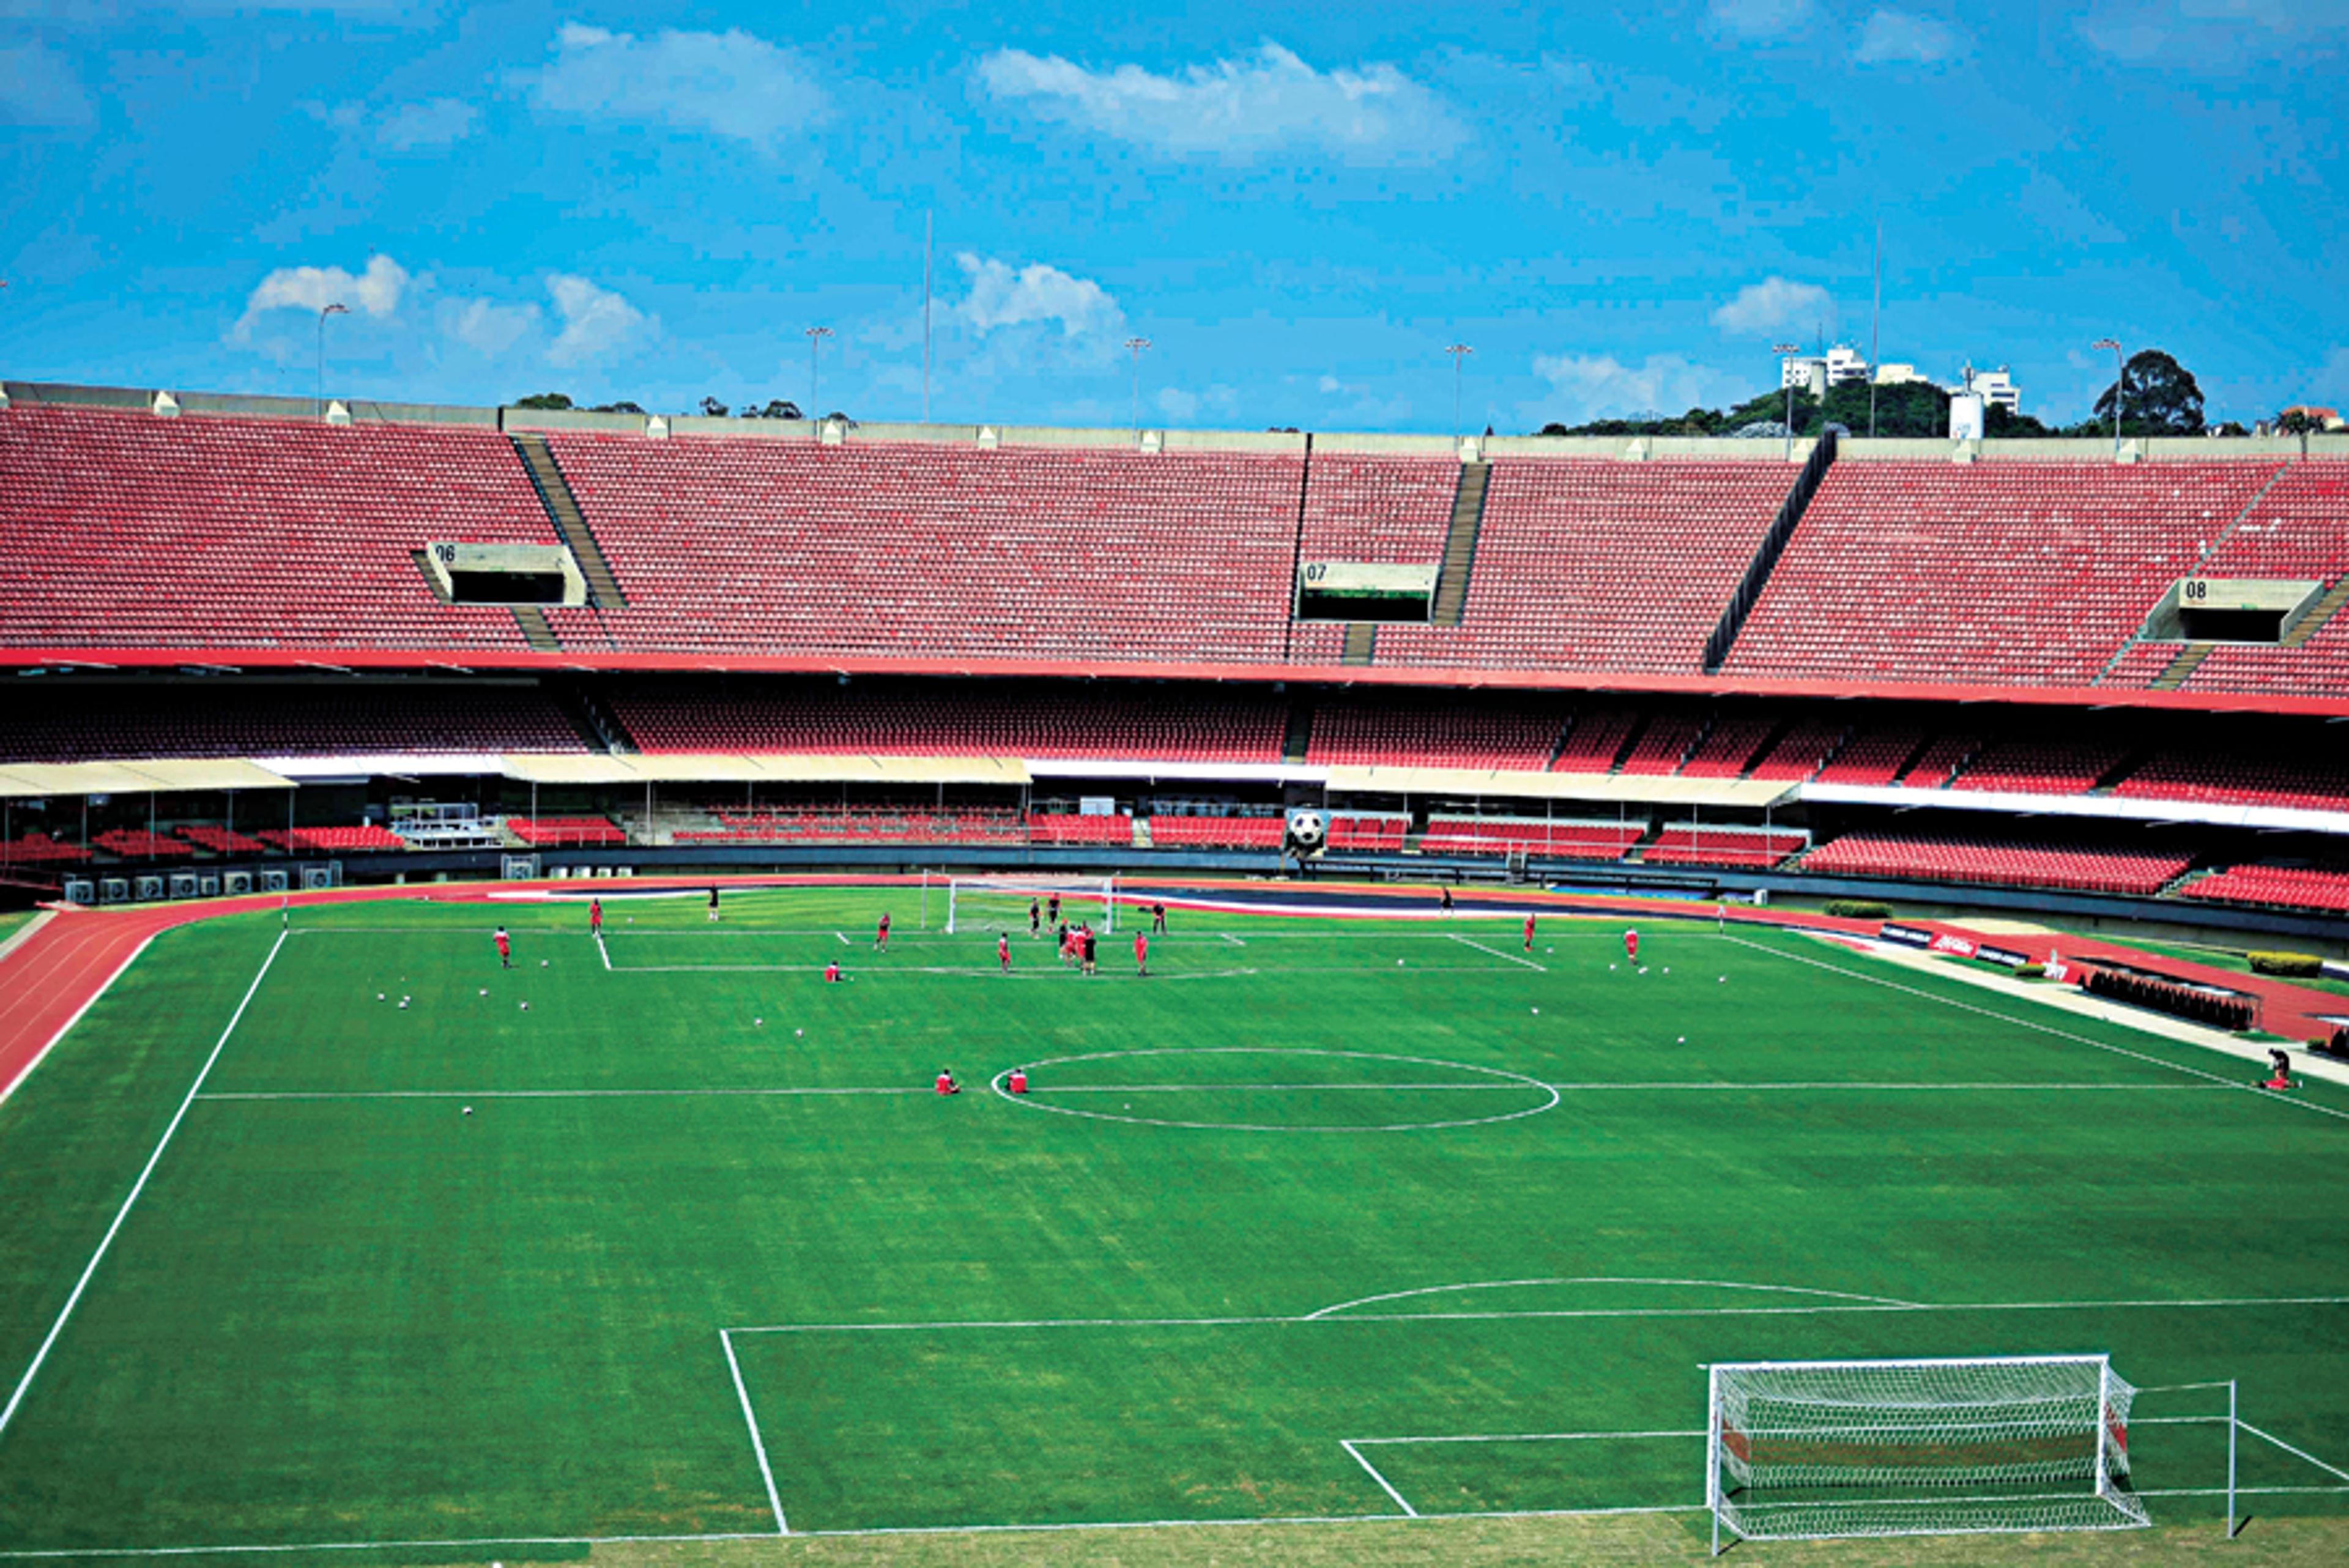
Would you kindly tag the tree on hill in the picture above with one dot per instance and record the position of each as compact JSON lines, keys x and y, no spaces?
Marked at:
{"x":712,"y":408}
{"x":622,"y":407}
{"x":543,"y":400}
{"x":774,"y":408}
{"x":1908,"y":408}
{"x":1998,"y":422}
{"x":2157,"y":396}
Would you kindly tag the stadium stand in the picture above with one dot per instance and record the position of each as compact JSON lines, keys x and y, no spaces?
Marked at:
{"x":1392,"y":511}
{"x":2003,"y":862}
{"x":1593,"y":741}
{"x":2298,"y":529}
{"x":79,"y":720}
{"x":938,"y":720}
{"x":40,"y":849}
{"x":1874,"y":757}
{"x":2319,"y":888}
{"x":1802,"y":752}
{"x":125,"y":530}
{"x":333,"y":840}
{"x":139,"y":845}
{"x":1434,"y":732}
{"x":1663,"y":745}
{"x":1728,"y":748}
{"x":1218,"y":832}
{"x":1590,"y":566}
{"x":1710,"y":844}
{"x":1939,"y":761}
{"x":785,"y":826}
{"x":760,"y":546}
{"x":1559,"y":837}
{"x":2302,"y":781}
{"x":565,"y":833}
{"x":220,"y":840}
{"x":1364,"y":831}
{"x":1991,"y":573}
{"x":2034,"y":766}
{"x":1071,"y":828}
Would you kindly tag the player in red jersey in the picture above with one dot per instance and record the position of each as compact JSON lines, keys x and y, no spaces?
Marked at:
{"x":1018,"y":1082}
{"x":1003,"y":949}
{"x":1529,"y":930}
{"x":1631,"y":945}
{"x":947,"y":1084}
{"x":831,"y":973}
{"x":881,"y":934}
{"x":1141,"y":954}
{"x":595,"y":917}
{"x":505,"y":949}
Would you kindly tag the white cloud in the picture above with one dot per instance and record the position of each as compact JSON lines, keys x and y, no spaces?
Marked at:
{"x":596,"y":321}
{"x":485,"y":325}
{"x":1775,"y":304}
{"x":1585,"y":386}
{"x":38,"y":88}
{"x":732,"y":84}
{"x":1760,"y":18}
{"x":435,"y":122}
{"x":374,"y":292}
{"x":2209,"y":33}
{"x":1239,"y":108}
{"x":1330,"y":384}
{"x":1001,"y":296}
{"x":1901,"y":37}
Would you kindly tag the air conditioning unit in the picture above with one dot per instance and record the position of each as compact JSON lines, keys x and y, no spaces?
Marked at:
{"x":273,"y":881}
{"x":183,"y":884}
{"x":150,"y":888}
{"x":234,"y":882}
{"x":80,"y":890}
{"x":518,"y":868}
{"x":317,"y":879}
{"x":207,"y":885}
{"x":113,"y":890}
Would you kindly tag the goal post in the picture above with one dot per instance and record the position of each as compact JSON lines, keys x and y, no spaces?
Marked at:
{"x":1799,"y":1450}
{"x":1000,"y":903}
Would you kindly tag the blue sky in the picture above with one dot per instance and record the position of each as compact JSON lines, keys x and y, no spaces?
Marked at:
{"x":1300,"y":206}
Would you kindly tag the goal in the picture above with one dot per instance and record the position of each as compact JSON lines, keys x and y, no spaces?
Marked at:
{"x":1798,"y":1450}
{"x":1000,"y":903}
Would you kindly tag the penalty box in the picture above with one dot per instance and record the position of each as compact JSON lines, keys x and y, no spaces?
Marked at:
{"x":1115,"y":1420}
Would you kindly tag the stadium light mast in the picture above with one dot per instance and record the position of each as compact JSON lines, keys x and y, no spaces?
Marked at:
{"x":337,"y":308}
{"x":2120,"y":374}
{"x":815,"y":337}
{"x":1784,"y":351}
{"x":1135,"y":345}
{"x":1460,"y":353}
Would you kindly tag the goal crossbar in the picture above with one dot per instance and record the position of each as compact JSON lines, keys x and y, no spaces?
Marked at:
{"x":1001,"y":901}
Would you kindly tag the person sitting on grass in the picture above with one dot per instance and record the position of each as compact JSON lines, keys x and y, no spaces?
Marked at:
{"x":1018,"y":1082}
{"x":947,"y":1084}
{"x":2281,"y":1077}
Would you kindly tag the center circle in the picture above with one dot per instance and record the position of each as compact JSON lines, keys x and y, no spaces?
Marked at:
{"x":1484,"y":1079}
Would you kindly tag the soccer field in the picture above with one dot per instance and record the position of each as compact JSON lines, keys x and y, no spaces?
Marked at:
{"x":1339,"y":1219}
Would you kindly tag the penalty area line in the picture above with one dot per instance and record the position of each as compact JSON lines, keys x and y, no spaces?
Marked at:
{"x":73,"y":1300}
{"x":1372,"y":1470}
{"x":1466,"y":942}
{"x":758,"y":1444}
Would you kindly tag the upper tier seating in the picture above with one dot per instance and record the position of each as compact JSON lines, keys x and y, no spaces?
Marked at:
{"x":1727,"y":750}
{"x":2300,"y":528}
{"x":1593,"y":741}
{"x":2039,"y":767}
{"x":78,"y":721}
{"x":1413,"y":731}
{"x":1802,"y":752}
{"x":1218,"y":832}
{"x":124,"y":530}
{"x":2302,"y":781}
{"x":1388,"y":509}
{"x":1938,"y":761}
{"x":2289,"y":887}
{"x":2009,"y":863}
{"x":740,"y":545}
{"x":985,"y":721}
{"x":1874,"y":757}
{"x":1663,"y":745}
{"x":1358,"y":830}
{"x":1995,"y":573}
{"x":1602,"y":565}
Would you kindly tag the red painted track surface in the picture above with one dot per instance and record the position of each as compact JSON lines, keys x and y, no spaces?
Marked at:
{"x":49,"y":977}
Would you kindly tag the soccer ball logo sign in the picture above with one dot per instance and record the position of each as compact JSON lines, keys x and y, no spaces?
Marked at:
{"x":1306,"y":830}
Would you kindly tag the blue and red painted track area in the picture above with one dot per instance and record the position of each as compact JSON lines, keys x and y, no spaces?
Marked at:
{"x":51,"y":972}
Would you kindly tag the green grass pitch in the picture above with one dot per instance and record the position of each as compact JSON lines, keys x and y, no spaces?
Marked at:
{"x":1325,"y":1219}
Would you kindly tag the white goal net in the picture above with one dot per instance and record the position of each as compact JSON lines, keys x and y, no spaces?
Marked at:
{"x":1001,"y":903}
{"x":1806,"y":1450}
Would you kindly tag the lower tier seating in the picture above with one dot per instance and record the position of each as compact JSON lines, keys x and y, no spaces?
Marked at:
{"x":1578,"y":840}
{"x":1218,"y":832}
{"x":2320,"y":888}
{"x":1704,"y":844}
{"x":565,"y":833}
{"x":2007,"y":863}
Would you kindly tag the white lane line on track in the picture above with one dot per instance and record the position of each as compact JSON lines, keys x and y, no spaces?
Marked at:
{"x":81,"y":1285}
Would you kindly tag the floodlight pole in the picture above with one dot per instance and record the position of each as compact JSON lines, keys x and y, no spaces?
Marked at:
{"x":1135,"y":345}
{"x":2120,"y":377}
{"x":337,"y":308}
{"x":1460,"y":353}
{"x":1784,"y":351}
{"x":815,"y":337}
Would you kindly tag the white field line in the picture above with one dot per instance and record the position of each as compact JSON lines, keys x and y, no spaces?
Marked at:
{"x":2296,"y":1453}
{"x":988,"y":971}
{"x":1602,"y":1279}
{"x":1235,"y":941}
{"x":1496,"y":953}
{"x":844,"y":938}
{"x":758,"y":1444}
{"x":1264,"y":1320}
{"x":66,"y":1027}
{"x":602,"y":951}
{"x":2039,"y":1027}
{"x":1537,"y":1438}
{"x":1372,"y":1470}
{"x":306,"y":1094}
{"x":81,"y":1285}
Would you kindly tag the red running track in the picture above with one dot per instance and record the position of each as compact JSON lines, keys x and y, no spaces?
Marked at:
{"x":52,"y":975}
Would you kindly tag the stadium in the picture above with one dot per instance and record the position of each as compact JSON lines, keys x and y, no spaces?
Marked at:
{"x":1260,"y":914}
{"x":1954,"y":782}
